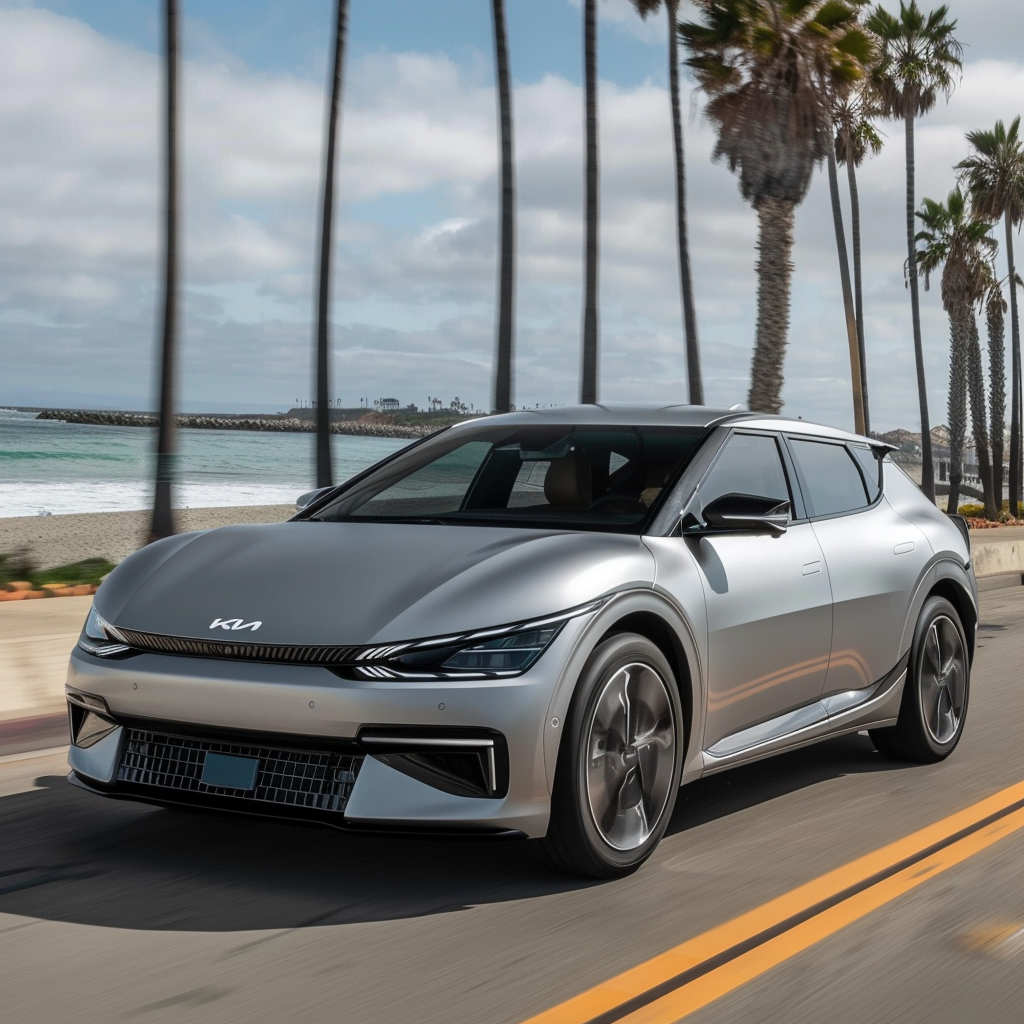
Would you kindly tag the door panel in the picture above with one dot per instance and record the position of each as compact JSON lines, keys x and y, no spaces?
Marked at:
{"x":769,"y":610}
{"x":874,"y":559}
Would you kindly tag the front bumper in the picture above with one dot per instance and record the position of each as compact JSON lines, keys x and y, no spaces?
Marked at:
{"x":254,"y":710}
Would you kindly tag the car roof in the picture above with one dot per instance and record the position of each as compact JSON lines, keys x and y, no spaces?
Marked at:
{"x":702,"y":416}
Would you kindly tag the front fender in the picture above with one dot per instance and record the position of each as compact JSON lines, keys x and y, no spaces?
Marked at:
{"x":621,"y":607}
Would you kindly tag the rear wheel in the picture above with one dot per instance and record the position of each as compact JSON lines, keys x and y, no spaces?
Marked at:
{"x":936,"y":692}
{"x":620,"y":761}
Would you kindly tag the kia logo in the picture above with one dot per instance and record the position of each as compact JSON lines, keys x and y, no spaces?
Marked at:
{"x":235,"y":624}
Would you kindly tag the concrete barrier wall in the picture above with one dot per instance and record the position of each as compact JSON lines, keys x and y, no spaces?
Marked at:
{"x":990,"y":559}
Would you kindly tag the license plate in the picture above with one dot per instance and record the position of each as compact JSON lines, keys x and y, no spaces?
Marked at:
{"x":229,"y":772}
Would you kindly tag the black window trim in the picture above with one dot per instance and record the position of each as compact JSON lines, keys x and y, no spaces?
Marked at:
{"x":840,"y":443}
{"x":798,"y":505}
{"x":879,"y":482}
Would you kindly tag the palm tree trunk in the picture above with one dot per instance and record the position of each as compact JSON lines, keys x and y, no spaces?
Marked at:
{"x":162,"y":524}
{"x":844,"y":276}
{"x":927,"y":468}
{"x":957,"y":406}
{"x":858,"y":292}
{"x":696,"y":383}
{"x":976,"y":384}
{"x":324,"y":476}
{"x":997,"y":387}
{"x":774,"y":275}
{"x":588,"y":383}
{"x":506,"y":268}
{"x":1015,"y":383}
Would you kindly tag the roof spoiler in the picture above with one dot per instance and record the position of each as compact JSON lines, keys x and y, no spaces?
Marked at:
{"x":881,"y":446}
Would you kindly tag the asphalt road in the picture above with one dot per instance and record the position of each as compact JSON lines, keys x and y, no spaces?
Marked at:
{"x":116,"y":912}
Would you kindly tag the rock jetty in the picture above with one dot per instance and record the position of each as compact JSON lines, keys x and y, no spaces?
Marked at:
{"x":203,"y":421}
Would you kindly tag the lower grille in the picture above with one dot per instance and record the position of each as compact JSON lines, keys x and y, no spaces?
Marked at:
{"x":308,"y":779}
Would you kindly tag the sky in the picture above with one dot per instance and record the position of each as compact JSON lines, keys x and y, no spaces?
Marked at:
{"x":414,"y":281}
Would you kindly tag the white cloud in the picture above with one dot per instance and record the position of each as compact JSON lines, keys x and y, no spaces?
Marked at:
{"x":621,"y":15}
{"x":417,"y":234}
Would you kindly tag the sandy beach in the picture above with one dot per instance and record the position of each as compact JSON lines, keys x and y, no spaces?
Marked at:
{"x":59,"y":540}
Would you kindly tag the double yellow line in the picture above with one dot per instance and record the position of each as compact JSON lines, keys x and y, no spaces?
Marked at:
{"x":676,"y":983}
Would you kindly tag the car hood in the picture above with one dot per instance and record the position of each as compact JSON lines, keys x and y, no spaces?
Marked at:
{"x":357,"y":583}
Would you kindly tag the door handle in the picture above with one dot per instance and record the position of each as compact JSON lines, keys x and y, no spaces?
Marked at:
{"x":811,"y":567}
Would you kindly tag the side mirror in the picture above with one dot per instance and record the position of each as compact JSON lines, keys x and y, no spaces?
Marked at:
{"x":747,"y":512}
{"x":307,"y":499}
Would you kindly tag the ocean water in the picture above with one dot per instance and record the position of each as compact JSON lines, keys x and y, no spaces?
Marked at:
{"x":46,"y":466}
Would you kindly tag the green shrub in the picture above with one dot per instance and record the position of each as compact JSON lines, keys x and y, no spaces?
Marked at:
{"x":18,"y":566}
{"x":972,"y":509}
{"x":90,"y":570}
{"x":15,"y":566}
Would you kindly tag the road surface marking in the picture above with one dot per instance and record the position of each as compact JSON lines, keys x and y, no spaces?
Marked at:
{"x":998,"y":940}
{"x":672,"y":985}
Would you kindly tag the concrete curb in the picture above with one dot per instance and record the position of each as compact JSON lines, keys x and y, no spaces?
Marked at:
{"x":36,"y":733}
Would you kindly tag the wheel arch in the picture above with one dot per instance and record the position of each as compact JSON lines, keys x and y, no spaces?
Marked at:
{"x":948,"y":579}
{"x":960,"y":599}
{"x":654,"y":628}
{"x":650,"y":615}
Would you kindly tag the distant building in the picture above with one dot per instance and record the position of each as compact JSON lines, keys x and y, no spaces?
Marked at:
{"x":390,"y":405}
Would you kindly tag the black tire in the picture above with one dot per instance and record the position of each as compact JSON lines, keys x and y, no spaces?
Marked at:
{"x":936,"y":693}
{"x":627,"y":692}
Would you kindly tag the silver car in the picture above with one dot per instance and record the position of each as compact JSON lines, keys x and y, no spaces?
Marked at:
{"x":537,"y":625}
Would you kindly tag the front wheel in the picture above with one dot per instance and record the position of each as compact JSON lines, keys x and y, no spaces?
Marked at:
{"x":620,"y":761}
{"x":936,"y":692}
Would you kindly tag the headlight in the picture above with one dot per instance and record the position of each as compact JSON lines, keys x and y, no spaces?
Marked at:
{"x":483,"y":654}
{"x":97,"y":638}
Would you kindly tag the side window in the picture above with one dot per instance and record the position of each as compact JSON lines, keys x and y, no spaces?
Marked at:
{"x":529,"y":486}
{"x":871,"y":467}
{"x":832,"y":481}
{"x":748,"y":464}
{"x":616,"y":462}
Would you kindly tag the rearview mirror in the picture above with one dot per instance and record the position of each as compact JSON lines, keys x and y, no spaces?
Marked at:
{"x":747,"y":512}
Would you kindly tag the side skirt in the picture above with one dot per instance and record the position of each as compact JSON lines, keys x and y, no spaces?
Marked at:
{"x":876,"y":706}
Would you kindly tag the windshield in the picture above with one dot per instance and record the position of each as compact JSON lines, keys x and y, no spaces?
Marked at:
{"x":552,"y":476}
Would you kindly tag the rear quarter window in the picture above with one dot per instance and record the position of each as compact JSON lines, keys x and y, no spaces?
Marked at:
{"x":871,"y":467}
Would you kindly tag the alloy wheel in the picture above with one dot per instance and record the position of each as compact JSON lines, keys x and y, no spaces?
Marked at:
{"x":943,"y":679}
{"x":631,"y":753}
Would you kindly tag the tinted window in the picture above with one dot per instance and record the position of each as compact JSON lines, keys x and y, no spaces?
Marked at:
{"x":832,"y":482}
{"x":870,"y":467}
{"x":437,"y":487}
{"x":748,"y":464}
{"x":544,"y":476}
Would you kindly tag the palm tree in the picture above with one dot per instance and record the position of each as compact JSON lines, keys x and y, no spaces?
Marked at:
{"x":962,"y":245}
{"x":588,"y":381}
{"x":696,"y":383}
{"x":324,"y":476}
{"x":507,"y":244}
{"x":994,"y":176}
{"x":855,"y":137}
{"x":856,"y":369}
{"x":979,"y":424}
{"x":162,"y":524}
{"x":773,"y":74}
{"x":995,"y":312}
{"x":919,"y":56}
